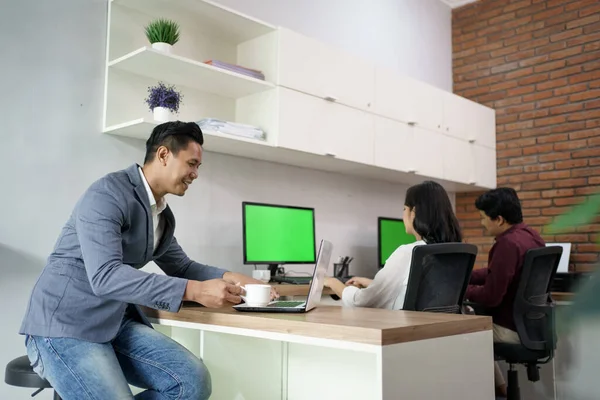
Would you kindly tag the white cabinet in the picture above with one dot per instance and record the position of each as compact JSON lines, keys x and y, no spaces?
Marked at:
{"x":486,"y":126}
{"x":313,"y":125}
{"x":469,"y":163}
{"x":458,"y":160}
{"x":459,"y":122}
{"x":469,"y":121}
{"x":315,"y":68}
{"x":484,"y":171}
{"x":394,"y":147}
{"x":408,"y":100}
{"x":302,"y":122}
{"x":428,"y":150}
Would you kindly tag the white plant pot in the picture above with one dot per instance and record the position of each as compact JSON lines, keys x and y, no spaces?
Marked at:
{"x":164,"y":47}
{"x":162,"y":114}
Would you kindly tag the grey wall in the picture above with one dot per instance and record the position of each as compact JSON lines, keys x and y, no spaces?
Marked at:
{"x":51,"y":75}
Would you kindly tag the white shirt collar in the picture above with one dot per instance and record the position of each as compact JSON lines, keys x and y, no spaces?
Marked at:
{"x":162,"y":204}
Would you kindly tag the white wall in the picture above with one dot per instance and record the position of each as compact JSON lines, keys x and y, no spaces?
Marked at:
{"x":52,"y":79}
{"x":412,"y":36}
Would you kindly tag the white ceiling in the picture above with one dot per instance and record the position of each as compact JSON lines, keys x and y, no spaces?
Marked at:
{"x":457,"y":3}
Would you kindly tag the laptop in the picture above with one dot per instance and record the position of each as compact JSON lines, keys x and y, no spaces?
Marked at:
{"x":314,"y":292}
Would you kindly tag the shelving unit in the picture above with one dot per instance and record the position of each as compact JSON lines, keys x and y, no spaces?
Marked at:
{"x":214,"y":141}
{"x":182,"y":71}
{"x":212,"y":18}
{"x":320,"y":107}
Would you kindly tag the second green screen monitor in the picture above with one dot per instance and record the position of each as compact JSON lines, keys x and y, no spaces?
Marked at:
{"x":276,"y":234}
{"x":392,"y":234}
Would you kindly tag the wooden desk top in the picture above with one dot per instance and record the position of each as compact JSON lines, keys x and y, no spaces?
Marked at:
{"x":359,"y":325}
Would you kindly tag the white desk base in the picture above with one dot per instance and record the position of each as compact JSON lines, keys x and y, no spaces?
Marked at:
{"x":249,"y":364}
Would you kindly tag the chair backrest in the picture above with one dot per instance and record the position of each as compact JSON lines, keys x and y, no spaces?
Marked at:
{"x":439,"y":275}
{"x":533,"y":307}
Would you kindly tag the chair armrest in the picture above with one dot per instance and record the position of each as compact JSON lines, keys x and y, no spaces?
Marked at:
{"x":546,"y":311}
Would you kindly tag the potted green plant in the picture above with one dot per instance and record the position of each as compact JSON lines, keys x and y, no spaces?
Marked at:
{"x":162,"y":34}
{"x":163,"y":101}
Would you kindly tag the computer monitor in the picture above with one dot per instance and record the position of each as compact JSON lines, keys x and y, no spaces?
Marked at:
{"x":563,"y":264}
{"x":391,"y":234}
{"x":278,"y":234}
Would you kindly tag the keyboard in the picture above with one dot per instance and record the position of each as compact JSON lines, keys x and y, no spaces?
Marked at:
{"x":286,"y":304}
{"x":294,"y":280}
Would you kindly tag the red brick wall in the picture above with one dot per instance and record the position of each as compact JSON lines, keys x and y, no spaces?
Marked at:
{"x":537,"y":63}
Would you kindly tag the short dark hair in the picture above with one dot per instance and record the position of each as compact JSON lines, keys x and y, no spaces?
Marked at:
{"x":434,"y":219}
{"x":175,"y":136}
{"x":501,"y":202}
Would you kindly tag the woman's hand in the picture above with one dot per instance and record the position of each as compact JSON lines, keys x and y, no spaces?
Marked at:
{"x":335,"y":285}
{"x":329,"y":281}
{"x":359,"y":282}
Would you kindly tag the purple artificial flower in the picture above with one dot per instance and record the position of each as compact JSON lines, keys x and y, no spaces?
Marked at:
{"x":163,"y":96}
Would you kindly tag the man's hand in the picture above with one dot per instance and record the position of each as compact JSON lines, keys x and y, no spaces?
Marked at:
{"x":243,"y":280}
{"x":213,"y":293}
{"x":359,"y":282}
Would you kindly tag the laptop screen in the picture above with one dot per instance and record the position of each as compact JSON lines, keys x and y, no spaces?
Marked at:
{"x":316,"y":285}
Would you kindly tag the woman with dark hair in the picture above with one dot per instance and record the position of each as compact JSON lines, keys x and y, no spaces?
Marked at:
{"x":427,"y":215}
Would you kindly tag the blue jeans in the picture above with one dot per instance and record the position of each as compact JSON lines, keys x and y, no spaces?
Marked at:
{"x":139,"y":355}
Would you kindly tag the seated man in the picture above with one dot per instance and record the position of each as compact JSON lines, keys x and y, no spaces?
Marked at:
{"x":85,"y":332}
{"x":495,"y":287}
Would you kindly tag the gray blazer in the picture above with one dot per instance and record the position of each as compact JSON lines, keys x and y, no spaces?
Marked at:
{"x":93,"y":272}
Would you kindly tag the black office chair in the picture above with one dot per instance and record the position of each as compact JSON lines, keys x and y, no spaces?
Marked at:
{"x":19,"y":373}
{"x":534,"y":317}
{"x":439,"y":275}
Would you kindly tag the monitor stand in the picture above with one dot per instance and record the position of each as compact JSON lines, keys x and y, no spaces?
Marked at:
{"x":273,"y":268}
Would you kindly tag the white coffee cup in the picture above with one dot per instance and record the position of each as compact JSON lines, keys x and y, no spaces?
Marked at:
{"x":262,"y":275}
{"x":257,"y":295}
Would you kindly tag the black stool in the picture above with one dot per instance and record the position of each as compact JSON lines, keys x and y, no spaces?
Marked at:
{"x":19,"y":373}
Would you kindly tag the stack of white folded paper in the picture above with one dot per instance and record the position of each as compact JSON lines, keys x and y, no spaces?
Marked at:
{"x":231,"y":128}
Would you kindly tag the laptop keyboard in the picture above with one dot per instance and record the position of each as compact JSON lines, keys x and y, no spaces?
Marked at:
{"x":295,"y":280}
{"x":286,"y":304}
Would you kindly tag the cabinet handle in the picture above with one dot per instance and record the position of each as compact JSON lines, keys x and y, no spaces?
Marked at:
{"x":412,"y":123}
{"x":471,"y":140}
{"x":330,"y":154}
{"x":472,"y":183}
{"x":412,"y":171}
{"x":330,"y":98}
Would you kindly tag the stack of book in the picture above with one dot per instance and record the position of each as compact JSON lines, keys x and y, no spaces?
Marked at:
{"x":236,"y":68}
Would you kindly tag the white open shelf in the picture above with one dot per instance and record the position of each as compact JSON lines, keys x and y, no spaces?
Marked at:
{"x":181,"y":71}
{"x":217,"y":142}
{"x":261,"y":150}
{"x":216,"y":19}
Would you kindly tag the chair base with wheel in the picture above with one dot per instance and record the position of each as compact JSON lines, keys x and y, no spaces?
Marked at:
{"x":514,"y":354}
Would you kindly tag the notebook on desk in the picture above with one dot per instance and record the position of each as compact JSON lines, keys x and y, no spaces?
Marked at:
{"x":314,"y":292}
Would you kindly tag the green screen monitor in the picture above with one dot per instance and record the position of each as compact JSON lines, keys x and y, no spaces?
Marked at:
{"x":391,"y":235}
{"x":277,"y":234}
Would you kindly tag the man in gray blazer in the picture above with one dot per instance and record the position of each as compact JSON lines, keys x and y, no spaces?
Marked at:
{"x":84,"y":331}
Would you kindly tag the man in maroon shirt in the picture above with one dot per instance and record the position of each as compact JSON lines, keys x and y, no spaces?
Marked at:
{"x":495,"y":287}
